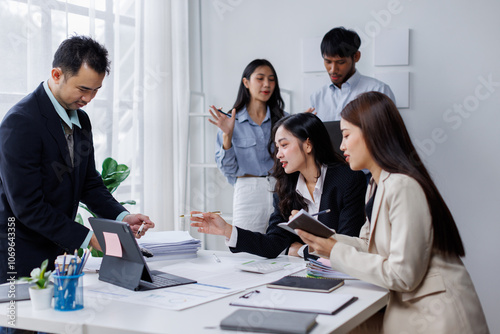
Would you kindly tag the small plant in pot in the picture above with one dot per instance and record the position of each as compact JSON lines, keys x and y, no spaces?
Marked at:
{"x":41,"y":292}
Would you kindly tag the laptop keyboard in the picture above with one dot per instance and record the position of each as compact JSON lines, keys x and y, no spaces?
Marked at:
{"x":160,"y":282}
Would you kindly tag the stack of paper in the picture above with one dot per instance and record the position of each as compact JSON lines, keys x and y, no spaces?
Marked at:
{"x":322,"y":269}
{"x":170,"y":244}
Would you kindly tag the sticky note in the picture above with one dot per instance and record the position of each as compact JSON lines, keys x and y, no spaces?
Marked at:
{"x":113,"y":244}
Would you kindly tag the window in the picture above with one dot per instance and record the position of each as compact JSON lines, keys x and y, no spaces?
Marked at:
{"x":35,"y":28}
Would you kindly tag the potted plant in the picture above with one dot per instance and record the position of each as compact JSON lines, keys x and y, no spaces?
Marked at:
{"x":41,"y":292}
{"x":113,"y":174}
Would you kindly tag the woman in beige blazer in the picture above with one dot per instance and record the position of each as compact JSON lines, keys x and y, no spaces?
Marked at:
{"x":409,"y":243}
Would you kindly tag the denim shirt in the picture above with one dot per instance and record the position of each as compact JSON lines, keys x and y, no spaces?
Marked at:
{"x":248,"y":153}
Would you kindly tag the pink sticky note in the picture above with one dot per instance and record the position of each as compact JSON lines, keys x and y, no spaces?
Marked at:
{"x":113,"y":244}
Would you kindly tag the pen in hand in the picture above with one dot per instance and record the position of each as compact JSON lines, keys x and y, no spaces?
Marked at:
{"x":321,"y":212}
{"x":198,"y":215}
{"x":140,"y":229}
{"x":225,"y":113}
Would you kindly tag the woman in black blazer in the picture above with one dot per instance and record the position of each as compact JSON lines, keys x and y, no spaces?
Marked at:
{"x":310,"y":176}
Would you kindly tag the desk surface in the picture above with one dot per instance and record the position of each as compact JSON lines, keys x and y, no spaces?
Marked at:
{"x":108,"y":316}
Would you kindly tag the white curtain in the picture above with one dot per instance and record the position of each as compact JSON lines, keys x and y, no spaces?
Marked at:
{"x":166,"y":109}
{"x":139,"y":117}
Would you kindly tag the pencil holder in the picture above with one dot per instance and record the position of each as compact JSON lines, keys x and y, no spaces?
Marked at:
{"x":68,"y":292}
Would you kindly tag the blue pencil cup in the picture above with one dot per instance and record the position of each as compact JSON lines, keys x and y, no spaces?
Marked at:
{"x":68,"y":292}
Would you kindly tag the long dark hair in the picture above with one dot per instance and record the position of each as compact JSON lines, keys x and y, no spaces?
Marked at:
{"x":303,"y":126}
{"x":390,"y":146}
{"x":275,"y":102}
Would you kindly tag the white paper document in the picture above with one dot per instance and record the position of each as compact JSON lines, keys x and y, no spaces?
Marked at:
{"x":291,"y":300}
{"x":215,"y":280}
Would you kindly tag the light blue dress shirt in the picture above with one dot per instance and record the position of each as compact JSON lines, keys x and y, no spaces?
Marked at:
{"x":70,"y":117}
{"x":248,"y":153}
{"x":330,"y":100}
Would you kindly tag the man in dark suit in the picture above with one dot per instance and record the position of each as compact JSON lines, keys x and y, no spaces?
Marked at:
{"x":47,"y":165}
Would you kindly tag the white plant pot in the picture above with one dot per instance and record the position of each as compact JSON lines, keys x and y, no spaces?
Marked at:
{"x":41,"y":299}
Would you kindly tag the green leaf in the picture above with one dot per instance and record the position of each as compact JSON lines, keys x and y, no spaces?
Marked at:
{"x":41,"y":283}
{"x":96,"y":253}
{"x":79,"y":218}
{"x":108,"y":166}
{"x":113,"y":174}
{"x":130,"y":201}
{"x":43,"y":268}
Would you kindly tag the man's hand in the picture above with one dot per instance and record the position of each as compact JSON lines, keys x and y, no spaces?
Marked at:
{"x":94,"y":243}
{"x":136,"y":220}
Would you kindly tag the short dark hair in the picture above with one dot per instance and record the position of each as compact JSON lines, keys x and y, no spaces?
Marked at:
{"x":340,"y":42}
{"x":390,"y":146}
{"x":78,"y":50}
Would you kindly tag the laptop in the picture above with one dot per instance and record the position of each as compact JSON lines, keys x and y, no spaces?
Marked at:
{"x":333,"y":128}
{"x":123,"y":263}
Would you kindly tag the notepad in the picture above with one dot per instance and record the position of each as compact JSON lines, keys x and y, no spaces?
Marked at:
{"x":269,"y":322}
{"x":298,"y":301}
{"x":306,"y":284}
{"x":304,"y":221}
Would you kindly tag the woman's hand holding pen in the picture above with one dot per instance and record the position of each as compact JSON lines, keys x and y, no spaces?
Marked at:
{"x":225,"y":123}
{"x":211,"y":223}
{"x":320,"y":246}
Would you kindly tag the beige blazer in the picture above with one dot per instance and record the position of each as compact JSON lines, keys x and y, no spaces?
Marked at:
{"x":428,"y":292}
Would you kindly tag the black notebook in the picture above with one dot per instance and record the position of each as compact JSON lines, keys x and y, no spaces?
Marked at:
{"x":304,"y":221}
{"x":269,"y":321}
{"x":306,"y":284}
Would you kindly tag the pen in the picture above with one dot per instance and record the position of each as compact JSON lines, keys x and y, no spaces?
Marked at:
{"x":248,"y":294}
{"x":321,"y":212}
{"x":140,"y":229}
{"x":64,"y":264}
{"x":216,"y":258}
{"x":225,"y":113}
{"x":198,"y":215}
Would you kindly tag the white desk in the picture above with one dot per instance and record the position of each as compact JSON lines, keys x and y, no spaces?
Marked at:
{"x":106,"y":316}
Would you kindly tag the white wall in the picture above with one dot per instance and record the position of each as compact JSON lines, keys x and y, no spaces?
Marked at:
{"x":454,"y":50}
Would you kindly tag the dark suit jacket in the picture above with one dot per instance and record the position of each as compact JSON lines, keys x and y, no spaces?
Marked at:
{"x":343,"y":193}
{"x":39,"y":188}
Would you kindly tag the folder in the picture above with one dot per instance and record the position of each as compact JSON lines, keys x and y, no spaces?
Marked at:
{"x":269,"y":322}
{"x":298,"y":301}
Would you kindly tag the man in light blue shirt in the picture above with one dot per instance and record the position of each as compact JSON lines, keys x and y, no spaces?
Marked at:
{"x":340,"y":51}
{"x":47,"y":165}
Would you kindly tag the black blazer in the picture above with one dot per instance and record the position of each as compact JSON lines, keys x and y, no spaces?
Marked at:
{"x":343,"y":193}
{"x":39,"y":188}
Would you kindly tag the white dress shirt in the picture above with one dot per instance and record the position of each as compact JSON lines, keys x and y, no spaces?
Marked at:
{"x":301,"y":188}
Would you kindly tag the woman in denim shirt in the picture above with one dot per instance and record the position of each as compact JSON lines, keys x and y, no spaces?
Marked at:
{"x":242,"y":145}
